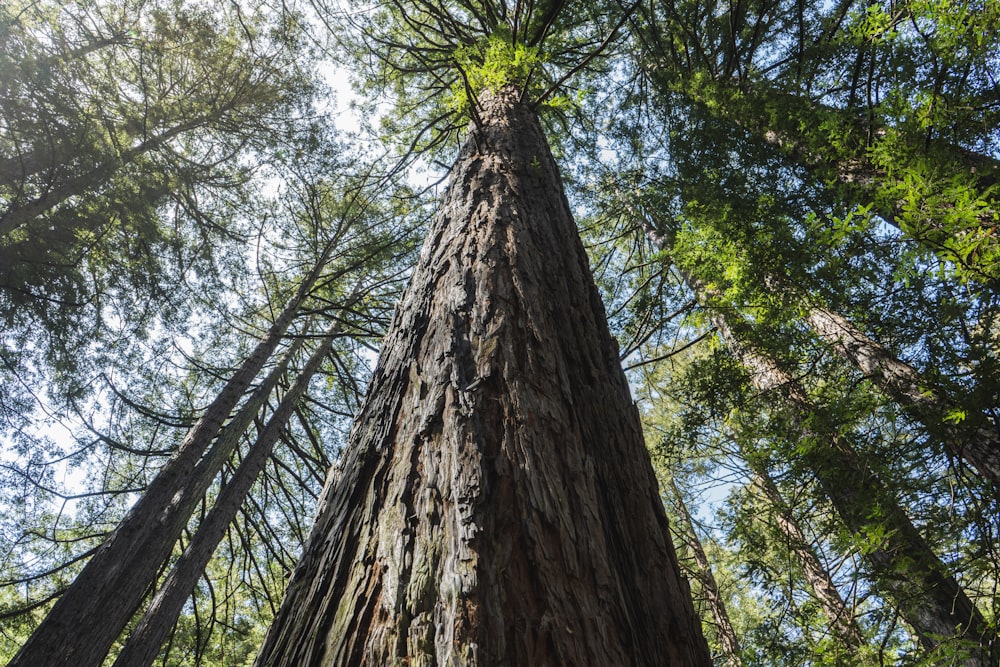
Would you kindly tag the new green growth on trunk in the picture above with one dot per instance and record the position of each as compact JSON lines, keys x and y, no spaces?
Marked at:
{"x":495,"y":62}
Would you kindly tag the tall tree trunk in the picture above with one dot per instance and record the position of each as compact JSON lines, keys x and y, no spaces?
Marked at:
{"x":144,"y":643}
{"x":973,"y":437}
{"x":497,"y":505}
{"x":710,"y":588}
{"x":15,"y":170}
{"x":901,"y":564}
{"x":89,"y":616}
{"x":842,"y":622}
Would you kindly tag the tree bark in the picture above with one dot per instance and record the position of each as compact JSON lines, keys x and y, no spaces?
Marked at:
{"x":710,"y":588}
{"x":497,"y":505}
{"x":89,"y":616}
{"x":901,"y":564}
{"x":973,"y":437}
{"x":144,"y":643}
{"x":842,"y":622}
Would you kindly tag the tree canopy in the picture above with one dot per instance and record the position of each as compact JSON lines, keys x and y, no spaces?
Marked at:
{"x":791,"y":211}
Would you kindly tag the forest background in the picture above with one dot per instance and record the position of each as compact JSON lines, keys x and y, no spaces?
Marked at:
{"x":791,"y":211}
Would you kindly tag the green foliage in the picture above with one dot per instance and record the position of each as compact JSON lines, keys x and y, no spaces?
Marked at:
{"x":425,"y":65}
{"x":768,"y":146}
{"x":491,"y":64}
{"x":129,"y":131}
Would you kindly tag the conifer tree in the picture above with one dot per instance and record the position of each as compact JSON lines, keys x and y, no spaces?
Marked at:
{"x":116,"y":578}
{"x":496,"y":504}
{"x":910,"y":132}
{"x":900,"y":562}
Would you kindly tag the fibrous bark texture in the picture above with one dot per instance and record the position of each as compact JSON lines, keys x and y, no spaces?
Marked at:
{"x":497,"y":505}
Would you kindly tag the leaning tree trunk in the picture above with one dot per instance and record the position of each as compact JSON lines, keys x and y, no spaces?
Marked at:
{"x":18,"y":213}
{"x":686,"y":532}
{"x":973,"y":435}
{"x":843,"y":625}
{"x":902,"y":565}
{"x":973,"y":438}
{"x":497,"y":505}
{"x":89,"y":616}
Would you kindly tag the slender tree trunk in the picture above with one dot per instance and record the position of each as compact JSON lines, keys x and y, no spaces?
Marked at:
{"x":14,"y":170}
{"x":17,"y":214}
{"x":144,"y":643}
{"x":497,"y":505}
{"x":842,"y":622}
{"x":903,"y":567}
{"x":89,"y":616}
{"x":710,"y":588}
{"x":973,"y":438}
{"x":50,"y":152}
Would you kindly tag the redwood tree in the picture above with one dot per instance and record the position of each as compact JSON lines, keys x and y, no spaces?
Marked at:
{"x":116,"y":579}
{"x":497,"y":505}
{"x":145,"y":640}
